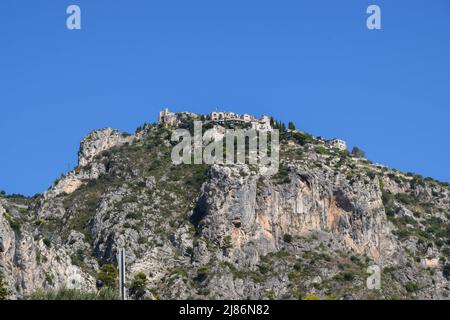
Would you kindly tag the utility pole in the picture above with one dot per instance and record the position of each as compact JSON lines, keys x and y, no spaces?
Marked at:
{"x":121,"y":263}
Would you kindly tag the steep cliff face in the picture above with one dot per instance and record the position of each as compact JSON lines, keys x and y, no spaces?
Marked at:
{"x":226,"y":231}
{"x":29,"y":262}
{"x":98,"y":141}
{"x":92,"y":145}
{"x":252,"y":208}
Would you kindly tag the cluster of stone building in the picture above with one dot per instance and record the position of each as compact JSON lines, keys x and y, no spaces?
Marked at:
{"x":220,"y":118}
{"x":261,"y":124}
{"x":168,"y":118}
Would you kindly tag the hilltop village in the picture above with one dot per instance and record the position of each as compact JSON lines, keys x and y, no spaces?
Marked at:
{"x":263,"y":123}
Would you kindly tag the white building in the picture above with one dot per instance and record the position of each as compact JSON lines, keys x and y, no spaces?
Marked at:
{"x":230,"y":115}
{"x":224,"y":116}
{"x":217,"y":116}
{"x":337,"y":144}
{"x":263,"y":124}
{"x":247,"y":118}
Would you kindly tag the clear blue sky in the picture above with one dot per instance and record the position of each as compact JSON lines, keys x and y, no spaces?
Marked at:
{"x":313,"y":62}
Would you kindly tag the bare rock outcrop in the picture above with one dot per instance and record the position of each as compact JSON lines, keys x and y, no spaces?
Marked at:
{"x":99,"y":141}
{"x":30,"y":264}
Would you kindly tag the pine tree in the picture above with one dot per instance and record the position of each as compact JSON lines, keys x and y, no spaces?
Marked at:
{"x":291,"y":125}
{"x":357,"y":152}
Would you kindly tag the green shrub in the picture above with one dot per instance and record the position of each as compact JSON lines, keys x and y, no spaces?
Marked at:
{"x":297,"y":294}
{"x":298,"y":266}
{"x":320,"y":150}
{"x":202,"y":273}
{"x":359,"y":153}
{"x":138,"y":285}
{"x":14,"y":223}
{"x":446,"y":271}
{"x":287,"y":238}
{"x":348,"y":276}
{"x":302,"y":138}
{"x":107,"y":277}
{"x":264,"y":268}
{"x":179,"y":271}
{"x":282,"y":176}
{"x":411,"y":287}
{"x":47,"y":242}
{"x":228,"y":243}
{"x":345,"y":276}
{"x":3,"y":289}
{"x":406,"y":198}
{"x":344,"y":154}
{"x":387,"y":198}
{"x":155,"y":293}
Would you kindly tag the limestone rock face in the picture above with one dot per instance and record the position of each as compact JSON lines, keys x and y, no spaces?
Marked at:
{"x":29,"y":265}
{"x":91,"y":146}
{"x":262,"y":216}
{"x":75,"y":179}
{"x":99,"y":141}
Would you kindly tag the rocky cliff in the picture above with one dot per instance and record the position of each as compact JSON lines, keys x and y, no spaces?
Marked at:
{"x":225,"y":231}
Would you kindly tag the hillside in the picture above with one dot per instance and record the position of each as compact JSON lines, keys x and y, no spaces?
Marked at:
{"x":225,"y":231}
